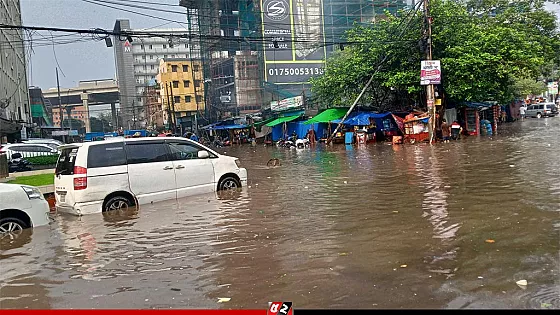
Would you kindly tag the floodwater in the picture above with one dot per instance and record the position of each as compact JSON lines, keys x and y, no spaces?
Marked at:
{"x":410,"y":226}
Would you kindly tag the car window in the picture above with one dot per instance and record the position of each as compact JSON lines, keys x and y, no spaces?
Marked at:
{"x":66,"y":160}
{"x":42,"y":149}
{"x":183,"y":151}
{"x":104,"y":155}
{"x":541,"y":106}
{"x":146,"y":152}
{"x":23,"y":148}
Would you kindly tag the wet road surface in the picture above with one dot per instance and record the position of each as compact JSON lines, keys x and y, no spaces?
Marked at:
{"x":379,"y":226}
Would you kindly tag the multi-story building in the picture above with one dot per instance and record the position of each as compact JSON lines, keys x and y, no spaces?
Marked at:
{"x":40,"y":112}
{"x":137,"y":63}
{"x":181,"y":83}
{"x":15,"y":112}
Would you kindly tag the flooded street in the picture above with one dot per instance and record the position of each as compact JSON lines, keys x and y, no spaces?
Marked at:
{"x":379,"y":226}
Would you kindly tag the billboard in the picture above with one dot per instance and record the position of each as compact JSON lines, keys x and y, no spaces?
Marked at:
{"x":430,"y":72}
{"x":294,"y":48}
{"x":288,"y":103}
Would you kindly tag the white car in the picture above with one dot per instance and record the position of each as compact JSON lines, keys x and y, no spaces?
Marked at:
{"x":21,"y":207}
{"x":50,"y":142}
{"x":29,"y":149}
{"x":99,"y":176}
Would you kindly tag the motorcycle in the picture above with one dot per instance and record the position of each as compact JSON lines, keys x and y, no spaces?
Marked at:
{"x":18,"y":164}
{"x":285,"y":143}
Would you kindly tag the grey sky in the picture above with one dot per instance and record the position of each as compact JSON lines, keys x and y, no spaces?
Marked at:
{"x":88,"y":60}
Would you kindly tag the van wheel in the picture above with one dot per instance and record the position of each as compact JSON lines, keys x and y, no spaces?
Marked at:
{"x":11,"y":227}
{"x":117,"y":203}
{"x":539,"y":115}
{"x":229,"y":183}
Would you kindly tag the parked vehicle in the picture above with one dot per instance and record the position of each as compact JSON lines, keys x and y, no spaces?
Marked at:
{"x":542,"y":110}
{"x":50,"y":142}
{"x":29,"y":149}
{"x":22,"y":207}
{"x":18,"y":164}
{"x":100,"y":176}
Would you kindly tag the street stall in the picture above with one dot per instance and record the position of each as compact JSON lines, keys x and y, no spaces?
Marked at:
{"x":280,"y":128}
{"x":322,"y":122}
{"x":477,"y":113}
{"x":416,"y":128}
{"x":369,"y":127}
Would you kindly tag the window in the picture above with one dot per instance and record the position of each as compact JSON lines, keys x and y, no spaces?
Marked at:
{"x":187,"y":98}
{"x":151,"y":47}
{"x":164,"y":56}
{"x":186,"y":45}
{"x":541,"y":106}
{"x":143,"y":56}
{"x":184,"y":151}
{"x":185,"y":68}
{"x":198,"y":98}
{"x":141,"y":46}
{"x":146,"y":152}
{"x":186,"y":83}
{"x":66,"y":160}
{"x":177,"y":99}
{"x":151,"y":57}
{"x":106,"y":155}
{"x":173,"y":68}
{"x":196,"y":67}
{"x":164,"y":46}
{"x":175,"y":84}
{"x":152,"y":67}
{"x":196,"y":83}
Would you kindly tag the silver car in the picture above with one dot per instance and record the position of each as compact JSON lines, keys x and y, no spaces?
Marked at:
{"x":541,"y":110}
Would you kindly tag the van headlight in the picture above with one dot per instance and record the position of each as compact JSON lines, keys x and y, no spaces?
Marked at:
{"x":32,"y":193}
{"x":238,"y":163}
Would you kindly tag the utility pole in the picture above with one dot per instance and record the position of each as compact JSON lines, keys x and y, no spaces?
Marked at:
{"x":430,"y":88}
{"x":133,"y":115}
{"x":61,"y":112}
{"x":168,"y":106}
{"x":173,"y":109}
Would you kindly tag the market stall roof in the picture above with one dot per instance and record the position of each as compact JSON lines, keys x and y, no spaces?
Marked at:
{"x":227,"y":127}
{"x":328,"y":115}
{"x":280,"y":120}
{"x":362,"y":118}
{"x":211,"y":125}
{"x":264,"y":122}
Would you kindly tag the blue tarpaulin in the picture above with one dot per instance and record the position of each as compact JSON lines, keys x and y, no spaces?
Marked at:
{"x":361,"y":118}
{"x":227,"y":127}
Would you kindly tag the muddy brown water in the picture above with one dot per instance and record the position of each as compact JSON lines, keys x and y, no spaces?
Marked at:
{"x":377,"y":226}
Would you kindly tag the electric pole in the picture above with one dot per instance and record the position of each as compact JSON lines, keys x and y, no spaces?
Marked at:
{"x":430,"y":88}
{"x":173,"y":109}
{"x":168,"y":106}
{"x":61,"y":112}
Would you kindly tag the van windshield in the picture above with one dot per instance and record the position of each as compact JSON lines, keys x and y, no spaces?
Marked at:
{"x":66,"y":160}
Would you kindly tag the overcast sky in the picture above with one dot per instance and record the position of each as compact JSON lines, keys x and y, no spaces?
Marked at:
{"x":87,"y":60}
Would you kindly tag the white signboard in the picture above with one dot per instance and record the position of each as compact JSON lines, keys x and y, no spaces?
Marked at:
{"x":60,"y":133}
{"x":288,"y":103}
{"x":430,"y":72}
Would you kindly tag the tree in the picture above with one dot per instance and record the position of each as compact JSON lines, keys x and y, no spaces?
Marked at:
{"x":524,"y":87}
{"x":484,"y":45}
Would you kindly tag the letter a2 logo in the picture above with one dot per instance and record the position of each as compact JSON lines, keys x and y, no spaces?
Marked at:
{"x":279,"y":308}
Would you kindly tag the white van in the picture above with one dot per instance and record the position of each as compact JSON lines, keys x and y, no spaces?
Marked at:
{"x":99,"y":176}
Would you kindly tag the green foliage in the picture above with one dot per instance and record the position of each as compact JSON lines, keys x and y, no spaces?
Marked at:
{"x":482,"y":44}
{"x":34,"y":180}
{"x":523,"y":87}
{"x":43,"y":160}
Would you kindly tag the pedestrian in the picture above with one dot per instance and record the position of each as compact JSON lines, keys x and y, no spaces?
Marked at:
{"x":522,"y":110}
{"x":194,"y":137}
{"x":311,"y":136}
{"x":503,"y":115}
{"x":445,"y":131}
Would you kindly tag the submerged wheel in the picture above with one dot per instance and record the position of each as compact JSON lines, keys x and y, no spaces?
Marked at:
{"x":117,"y":203}
{"x":539,"y":115}
{"x":229,"y":183}
{"x":11,"y":227}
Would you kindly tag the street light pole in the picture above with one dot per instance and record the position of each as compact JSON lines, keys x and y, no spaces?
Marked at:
{"x":61,"y":112}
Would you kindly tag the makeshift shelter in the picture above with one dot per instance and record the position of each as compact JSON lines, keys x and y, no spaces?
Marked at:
{"x":327,"y":116}
{"x":379,"y":125}
{"x":416,"y":128}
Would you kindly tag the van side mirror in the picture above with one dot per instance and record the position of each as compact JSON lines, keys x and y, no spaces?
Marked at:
{"x":16,"y":156}
{"x":203,"y":154}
